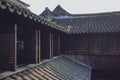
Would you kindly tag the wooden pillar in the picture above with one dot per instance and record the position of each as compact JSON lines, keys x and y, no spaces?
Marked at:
{"x":15,"y":54}
{"x":37,"y":46}
{"x":36,"y":38}
{"x":51,"y":45}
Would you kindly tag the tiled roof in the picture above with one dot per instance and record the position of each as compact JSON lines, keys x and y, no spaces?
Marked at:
{"x":47,"y":13}
{"x":13,"y":7}
{"x":61,"y":68}
{"x":19,"y":2}
{"x":106,"y":22}
{"x":91,"y":24}
{"x":59,"y":11}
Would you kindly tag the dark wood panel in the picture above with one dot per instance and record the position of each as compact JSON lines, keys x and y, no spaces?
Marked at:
{"x":93,"y":44}
{"x":56,"y":45}
{"x":104,"y":62}
{"x":7,"y":51}
{"x":30,"y":47}
{"x":46,"y":43}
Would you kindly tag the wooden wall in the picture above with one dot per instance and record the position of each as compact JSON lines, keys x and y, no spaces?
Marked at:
{"x":8,"y":47}
{"x":28,"y":37}
{"x":63,"y":44}
{"x":39,"y":41}
{"x":56,"y":44}
{"x":46,"y":45}
{"x":99,"y":62}
{"x":101,"y":51}
{"x":31,"y":47}
{"x":101,"y":44}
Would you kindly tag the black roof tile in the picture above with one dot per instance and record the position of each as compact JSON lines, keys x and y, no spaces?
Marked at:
{"x":60,"y":68}
{"x":95,"y":24}
{"x":87,"y":23}
{"x":46,"y":13}
{"x":59,"y":11}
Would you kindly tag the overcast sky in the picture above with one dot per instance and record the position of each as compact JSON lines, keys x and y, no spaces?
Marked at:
{"x":75,"y":6}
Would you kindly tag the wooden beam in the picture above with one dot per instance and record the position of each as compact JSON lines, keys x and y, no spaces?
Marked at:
{"x":36,"y":45}
{"x":39,"y":46}
{"x":58,"y":44}
{"x":15,"y":57}
{"x":51,"y":44}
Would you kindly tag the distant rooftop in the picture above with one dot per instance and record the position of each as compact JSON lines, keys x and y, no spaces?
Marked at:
{"x":57,"y":12}
{"x":60,"y":12}
{"x":105,"y":22}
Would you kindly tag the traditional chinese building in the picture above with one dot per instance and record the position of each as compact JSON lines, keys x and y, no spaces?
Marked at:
{"x":31,"y":46}
{"x":27,"y":40}
{"x":24,"y":36}
{"x":92,"y":39}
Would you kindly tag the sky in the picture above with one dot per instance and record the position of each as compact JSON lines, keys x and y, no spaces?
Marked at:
{"x":75,"y":6}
